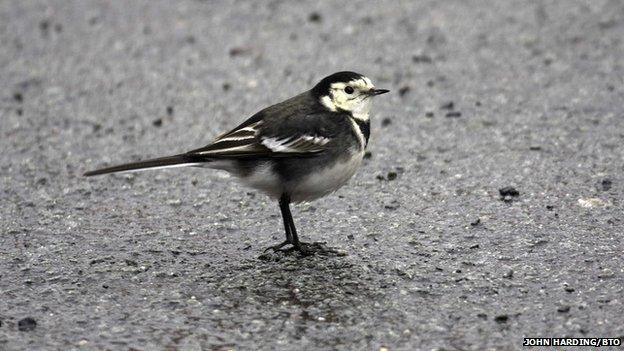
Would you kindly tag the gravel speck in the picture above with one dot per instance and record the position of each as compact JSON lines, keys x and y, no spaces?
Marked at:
{"x":509,"y":274}
{"x":422,"y":59}
{"x":26,"y":324}
{"x":448,"y":105}
{"x":18,"y":97}
{"x":501,"y":319}
{"x":315,"y":17}
{"x":563,"y":309}
{"x":592,"y":202}
{"x":509,"y":191}
{"x":240,"y":51}
{"x":404,"y":90}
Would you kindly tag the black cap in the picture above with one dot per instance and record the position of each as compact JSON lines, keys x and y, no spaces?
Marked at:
{"x":322,"y":88}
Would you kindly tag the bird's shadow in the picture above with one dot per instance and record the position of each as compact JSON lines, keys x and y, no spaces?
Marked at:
{"x":304,"y":290}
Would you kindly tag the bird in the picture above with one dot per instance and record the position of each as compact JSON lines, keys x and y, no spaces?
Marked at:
{"x":297,"y":150}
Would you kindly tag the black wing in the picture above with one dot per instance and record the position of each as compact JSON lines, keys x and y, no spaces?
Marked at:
{"x":284,"y":130}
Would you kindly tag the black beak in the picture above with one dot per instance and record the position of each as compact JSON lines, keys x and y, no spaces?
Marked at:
{"x":374,"y":92}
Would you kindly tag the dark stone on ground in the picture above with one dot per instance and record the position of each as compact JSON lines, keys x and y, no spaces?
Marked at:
{"x":26,"y":324}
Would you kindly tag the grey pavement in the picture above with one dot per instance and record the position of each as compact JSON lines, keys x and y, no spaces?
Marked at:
{"x":486,"y":95}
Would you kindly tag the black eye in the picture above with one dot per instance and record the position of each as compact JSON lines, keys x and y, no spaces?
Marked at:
{"x":349,"y":90}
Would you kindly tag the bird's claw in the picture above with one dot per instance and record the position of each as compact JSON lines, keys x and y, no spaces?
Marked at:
{"x":306,"y":249}
{"x":277,"y":247}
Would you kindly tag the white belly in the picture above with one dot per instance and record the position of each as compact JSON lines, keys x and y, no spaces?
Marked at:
{"x":265,"y":180}
{"x":326,"y":180}
{"x":262,"y":178}
{"x":308,"y":188}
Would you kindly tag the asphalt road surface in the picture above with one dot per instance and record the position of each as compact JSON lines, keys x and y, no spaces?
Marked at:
{"x":486,"y":95}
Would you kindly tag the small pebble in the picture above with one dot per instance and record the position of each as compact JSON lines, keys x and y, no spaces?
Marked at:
{"x":386,"y":122}
{"x":448,"y":106}
{"x":239,"y":51}
{"x":315,"y":17}
{"x":174,"y":202}
{"x":509,"y":191}
{"x":563,"y":309}
{"x":157,"y":122}
{"x":44,"y":26}
{"x":591,"y":202}
{"x":422,"y":59}
{"x":503,"y":318}
{"x":393,"y":205}
{"x":453,"y":114}
{"x":26,"y":324}
{"x":404,"y":90}
{"x":509,"y":274}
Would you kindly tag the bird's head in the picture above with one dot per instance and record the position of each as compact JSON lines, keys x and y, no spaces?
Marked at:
{"x":347,"y":92}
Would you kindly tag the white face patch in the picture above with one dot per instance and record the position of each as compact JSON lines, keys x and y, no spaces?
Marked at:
{"x":358,"y":102}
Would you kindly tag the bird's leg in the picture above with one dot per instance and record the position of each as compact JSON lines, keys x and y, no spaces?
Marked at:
{"x":303,"y":248}
{"x":292,"y":238}
{"x":289,"y":227}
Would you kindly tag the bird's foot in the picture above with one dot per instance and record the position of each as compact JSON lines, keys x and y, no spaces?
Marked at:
{"x":278,"y":247}
{"x":307,"y":249}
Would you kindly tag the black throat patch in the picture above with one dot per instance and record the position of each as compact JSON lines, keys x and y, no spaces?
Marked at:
{"x":364,"y":128}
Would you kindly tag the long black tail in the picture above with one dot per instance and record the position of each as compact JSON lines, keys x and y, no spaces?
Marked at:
{"x":181,"y":160}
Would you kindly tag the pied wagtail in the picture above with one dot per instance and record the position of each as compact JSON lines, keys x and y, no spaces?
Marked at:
{"x":297,"y":150}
